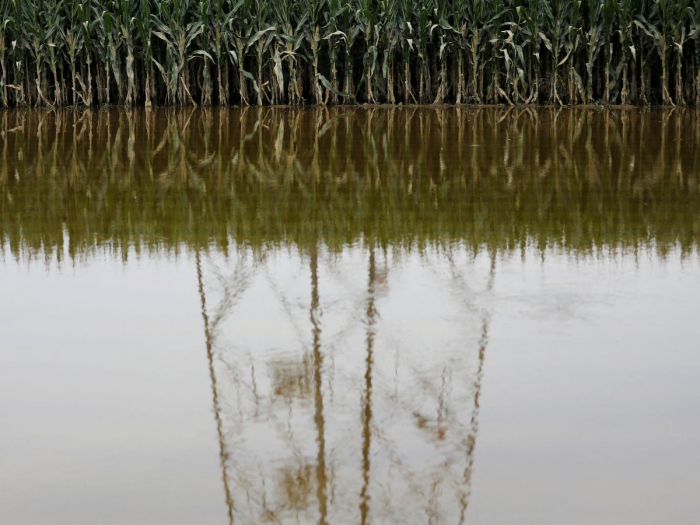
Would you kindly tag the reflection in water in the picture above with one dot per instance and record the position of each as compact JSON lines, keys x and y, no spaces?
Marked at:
{"x":357,"y":400}
{"x":318,"y":394}
{"x":223,"y":453}
{"x":367,"y":401}
{"x":474,"y":422}
{"x":578,"y":178}
{"x":294,"y":444}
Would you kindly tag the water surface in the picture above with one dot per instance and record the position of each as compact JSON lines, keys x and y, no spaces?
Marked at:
{"x":350,"y":316}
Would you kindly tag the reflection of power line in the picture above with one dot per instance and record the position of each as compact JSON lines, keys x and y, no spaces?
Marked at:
{"x":223,"y":453}
{"x":321,"y":476}
{"x":367,"y":401}
{"x":474,"y":422}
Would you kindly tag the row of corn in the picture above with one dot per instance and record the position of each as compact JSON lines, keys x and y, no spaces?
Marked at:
{"x":296,"y":52}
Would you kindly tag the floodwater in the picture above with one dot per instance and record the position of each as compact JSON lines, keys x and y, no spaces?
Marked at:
{"x":350,"y":316}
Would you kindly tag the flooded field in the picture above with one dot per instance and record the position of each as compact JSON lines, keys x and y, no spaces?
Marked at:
{"x":350,"y":316}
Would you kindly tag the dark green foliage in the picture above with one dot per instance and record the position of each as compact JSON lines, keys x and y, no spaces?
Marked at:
{"x":194,"y":52}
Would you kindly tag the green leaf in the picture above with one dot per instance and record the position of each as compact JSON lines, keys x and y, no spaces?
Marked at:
{"x":201,"y":52}
{"x":329,"y":87}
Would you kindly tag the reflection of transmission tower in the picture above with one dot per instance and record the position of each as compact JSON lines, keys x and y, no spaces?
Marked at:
{"x":223,"y":452}
{"x":367,"y":401}
{"x":292,"y":444}
{"x":318,"y":388}
{"x":474,"y":422}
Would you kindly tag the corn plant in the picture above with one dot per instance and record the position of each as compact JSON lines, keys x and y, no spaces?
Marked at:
{"x":190,"y":52}
{"x":288,"y":42}
{"x":178,"y":34}
{"x":263,"y":32}
{"x":609,"y":13}
{"x":533,"y":14}
{"x":594,"y":40}
{"x":368,"y":21}
{"x":404,"y":21}
{"x":71,"y":42}
{"x":5,"y":25}
{"x":335,"y":36}
{"x":312,"y":10}
{"x":497,"y":17}
{"x":126,"y":11}
{"x":695,"y":34}
{"x":204,"y":10}
{"x":145,"y":32}
{"x":424,"y":29}
{"x":681,"y":12}
{"x":35,"y":41}
{"x":219,"y":26}
{"x":391,"y":34}
{"x":665,"y":26}
{"x":351,"y":30}
{"x":13,"y":30}
{"x":241,"y":34}
{"x":51,"y":19}
{"x":629,"y":53}
{"x":444,"y":30}
{"x":514,"y":61}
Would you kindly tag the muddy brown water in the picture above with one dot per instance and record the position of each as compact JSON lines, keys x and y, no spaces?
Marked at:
{"x":337,"y":316}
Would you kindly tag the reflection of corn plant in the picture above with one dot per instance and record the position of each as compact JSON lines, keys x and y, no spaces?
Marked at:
{"x":205,"y":175}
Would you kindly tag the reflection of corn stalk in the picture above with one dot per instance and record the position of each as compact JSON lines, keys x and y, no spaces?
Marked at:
{"x":258,"y":181}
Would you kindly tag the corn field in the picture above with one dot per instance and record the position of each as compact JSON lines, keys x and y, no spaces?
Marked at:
{"x":296,"y":52}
